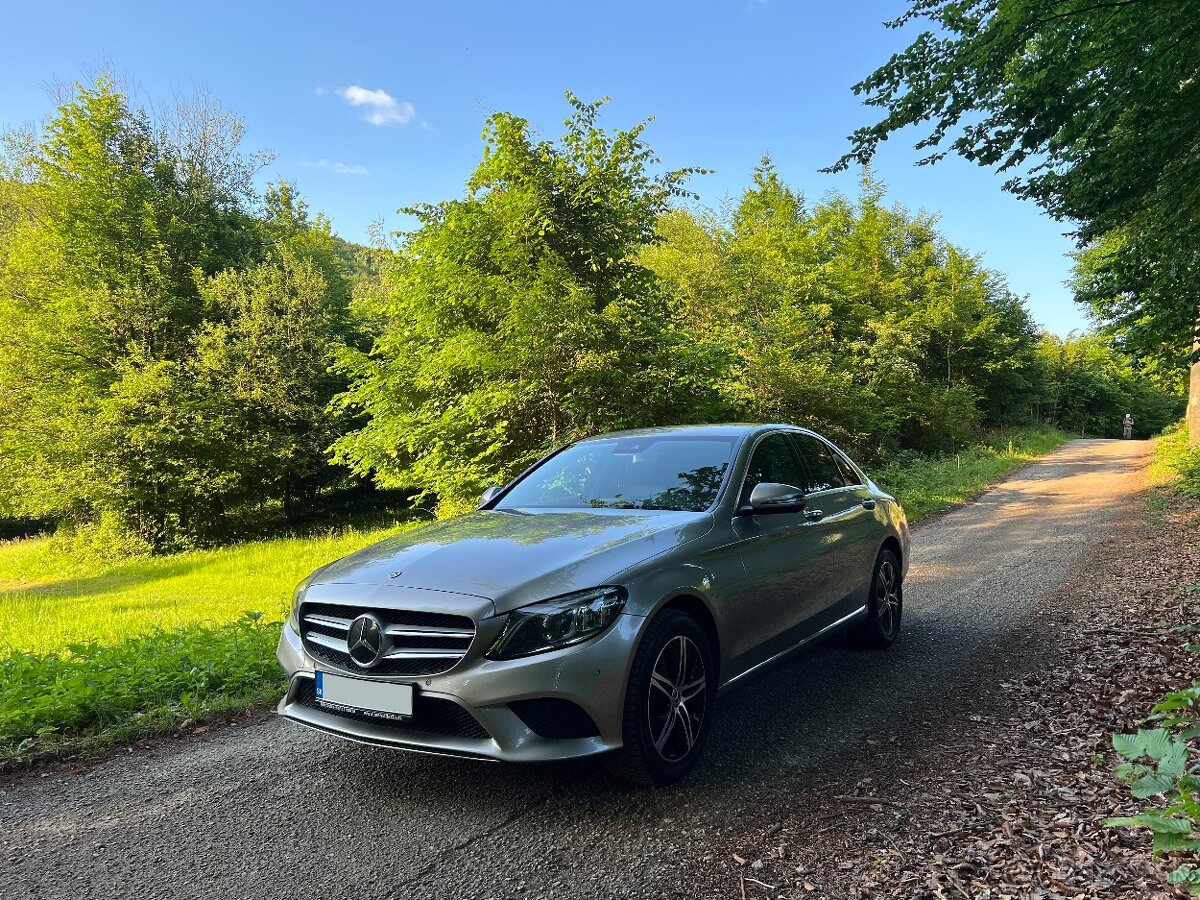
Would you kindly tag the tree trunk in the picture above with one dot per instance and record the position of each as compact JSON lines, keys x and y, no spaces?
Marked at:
{"x":1193,"y":406}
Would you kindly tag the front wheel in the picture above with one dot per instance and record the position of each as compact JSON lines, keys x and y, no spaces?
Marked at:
{"x":881,"y":626}
{"x":667,"y":702}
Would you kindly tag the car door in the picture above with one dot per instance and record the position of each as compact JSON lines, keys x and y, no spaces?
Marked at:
{"x":835,"y":495}
{"x":780,"y":552}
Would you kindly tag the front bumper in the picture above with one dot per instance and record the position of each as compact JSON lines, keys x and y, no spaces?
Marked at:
{"x":479,"y":723}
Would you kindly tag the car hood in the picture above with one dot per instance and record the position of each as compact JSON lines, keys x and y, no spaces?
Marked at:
{"x":515,"y":557}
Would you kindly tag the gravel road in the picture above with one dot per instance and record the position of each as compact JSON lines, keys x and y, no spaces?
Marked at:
{"x":270,"y":810}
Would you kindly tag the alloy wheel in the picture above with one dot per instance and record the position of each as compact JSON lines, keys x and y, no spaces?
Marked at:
{"x":887,"y":597}
{"x":677,"y":698}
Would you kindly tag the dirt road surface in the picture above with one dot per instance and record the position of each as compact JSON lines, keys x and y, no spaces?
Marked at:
{"x":271,"y":810}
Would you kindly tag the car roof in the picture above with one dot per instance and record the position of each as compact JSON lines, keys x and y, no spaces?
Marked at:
{"x":723,"y":430}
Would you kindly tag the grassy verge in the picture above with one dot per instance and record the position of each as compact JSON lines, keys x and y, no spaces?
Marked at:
{"x":93,"y":653}
{"x":96,"y":653}
{"x":1175,"y":466}
{"x":926,"y":485}
{"x":50,"y":598}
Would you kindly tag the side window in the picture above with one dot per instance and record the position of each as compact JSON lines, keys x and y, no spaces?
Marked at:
{"x":824,"y":473}
{"x":848,"y":473}
{"x":773,"y":461}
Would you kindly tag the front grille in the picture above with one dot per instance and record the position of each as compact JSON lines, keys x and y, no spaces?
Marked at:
{"x":431,"y":715}
{"x":416,"y":642}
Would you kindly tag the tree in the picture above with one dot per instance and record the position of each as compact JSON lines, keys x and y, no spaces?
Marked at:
{"x":1090,"y":384}
{"x":262,"y":357}
{"x":1091,"y":107}
{"x":163,"y":350}
{"x":853,"y":317}
{"x":519,"y":316}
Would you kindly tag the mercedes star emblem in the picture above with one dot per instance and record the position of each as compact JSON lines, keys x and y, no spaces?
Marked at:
{"x":364,"y":643}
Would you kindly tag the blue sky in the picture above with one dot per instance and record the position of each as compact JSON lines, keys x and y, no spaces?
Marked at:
{"x":372,"y":107}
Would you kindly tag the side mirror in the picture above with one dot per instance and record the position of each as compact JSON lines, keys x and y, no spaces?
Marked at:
{"x":488,"y":496}
{"x":770,"y":497}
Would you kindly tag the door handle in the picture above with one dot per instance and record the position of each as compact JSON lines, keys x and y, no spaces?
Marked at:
{"x":868,"y":504}
{"x":813,"y":515}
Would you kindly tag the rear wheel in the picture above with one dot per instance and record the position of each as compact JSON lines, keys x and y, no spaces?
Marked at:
{"x":667,"y":702}
{"x":881,"y":626}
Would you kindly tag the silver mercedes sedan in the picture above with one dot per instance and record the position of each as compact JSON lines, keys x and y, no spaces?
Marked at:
{"x":601,"y":601}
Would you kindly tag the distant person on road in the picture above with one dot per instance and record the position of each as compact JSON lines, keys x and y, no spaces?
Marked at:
{"x":1128,"y":423}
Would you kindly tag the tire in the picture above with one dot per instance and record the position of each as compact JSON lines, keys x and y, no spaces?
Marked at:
{"x":881,"y":626}
{"x":668,"y":702}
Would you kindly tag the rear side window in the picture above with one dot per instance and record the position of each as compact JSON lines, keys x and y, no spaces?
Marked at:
{"x":848,"y":473}
{"x":823,"y":472}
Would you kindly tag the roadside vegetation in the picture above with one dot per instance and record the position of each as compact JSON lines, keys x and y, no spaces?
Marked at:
{"x":50,"y":598}
{"x":927,"y":485}
{"x":189,"y":359}
{"x":93,"y":653}
{"x":1161,"y":760}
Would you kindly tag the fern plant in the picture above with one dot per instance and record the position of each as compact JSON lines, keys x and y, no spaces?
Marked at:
{"x":1160,"y":764}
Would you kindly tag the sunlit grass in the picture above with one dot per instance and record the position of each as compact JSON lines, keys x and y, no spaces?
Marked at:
{"x":1175,"y":464}
{"x":49,"y":598}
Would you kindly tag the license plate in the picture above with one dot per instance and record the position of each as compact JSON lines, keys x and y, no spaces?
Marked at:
{"x":382,"y":697}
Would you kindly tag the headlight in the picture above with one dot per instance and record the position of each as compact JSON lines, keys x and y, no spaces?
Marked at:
{"x":297,"y":596}
{"x":556,"y":623}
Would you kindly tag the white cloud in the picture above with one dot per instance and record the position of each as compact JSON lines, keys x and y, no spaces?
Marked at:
{"x":338,"y":168}
{"x":381,"y":108}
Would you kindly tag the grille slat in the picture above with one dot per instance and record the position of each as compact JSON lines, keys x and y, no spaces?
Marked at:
{"x":417,"y":642}
{"x":331,"y":622}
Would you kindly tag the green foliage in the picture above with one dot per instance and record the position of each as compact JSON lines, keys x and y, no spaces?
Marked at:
{"x":1091,"y":106}
{"x":182,"y":356}
{"x":1176,"y":464}
{"x":1089,"y":385}
{"x":853,"y":317}
{"x":519,"y":317}
{"x":164,"y":352}
{"x":1159,"y":764}
{"x":166,"y":677}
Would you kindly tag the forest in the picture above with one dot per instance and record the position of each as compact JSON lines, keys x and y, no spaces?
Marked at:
{"x":189,"y":355}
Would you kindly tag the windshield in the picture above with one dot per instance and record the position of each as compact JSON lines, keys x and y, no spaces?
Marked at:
{"x":647,"y":472}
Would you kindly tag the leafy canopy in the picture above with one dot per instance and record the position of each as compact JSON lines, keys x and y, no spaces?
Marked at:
{"x":164,"y":352}
{"x":1091,"y":106}
{"x":520,"y":317}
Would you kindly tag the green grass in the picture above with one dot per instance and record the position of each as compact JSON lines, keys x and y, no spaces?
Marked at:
{"x":926,"y":485}
{"x":1176,"y":465}
{"x":97,"y":652}
{"x":49,"y":598}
